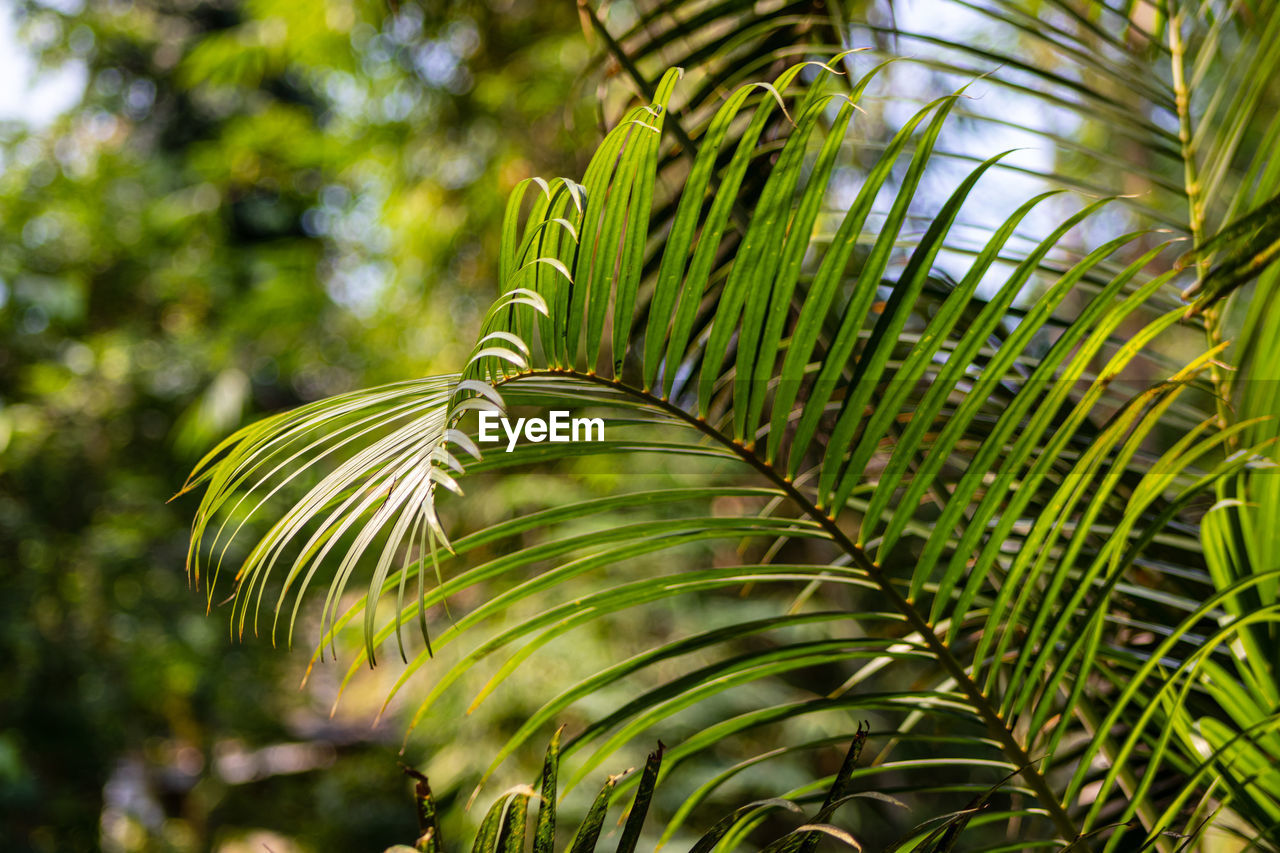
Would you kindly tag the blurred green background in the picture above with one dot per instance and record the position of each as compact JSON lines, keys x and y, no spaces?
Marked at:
{"x":245,"y":206}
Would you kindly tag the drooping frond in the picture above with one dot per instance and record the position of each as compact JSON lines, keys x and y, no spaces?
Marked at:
{"x":961,"y":466}
{"x":385,"y":450}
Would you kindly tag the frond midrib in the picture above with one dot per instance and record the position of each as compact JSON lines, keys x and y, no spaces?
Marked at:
{"x":990,"y":714}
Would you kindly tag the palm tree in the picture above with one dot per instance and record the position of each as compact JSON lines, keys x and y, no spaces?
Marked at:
{"x":988,"y":487}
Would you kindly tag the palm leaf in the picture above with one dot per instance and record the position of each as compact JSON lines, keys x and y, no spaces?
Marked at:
{"x":980,"y":484}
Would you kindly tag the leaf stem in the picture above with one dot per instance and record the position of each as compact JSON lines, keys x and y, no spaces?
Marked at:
{"x":1195,"y":197}
{"x":999,"y":729}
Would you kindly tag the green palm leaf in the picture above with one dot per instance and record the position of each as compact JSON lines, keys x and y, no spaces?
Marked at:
{"x":964,"y":470}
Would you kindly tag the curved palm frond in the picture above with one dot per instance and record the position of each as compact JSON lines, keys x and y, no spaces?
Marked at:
{"x":1172,"y":100}
{"x":955,"y":485}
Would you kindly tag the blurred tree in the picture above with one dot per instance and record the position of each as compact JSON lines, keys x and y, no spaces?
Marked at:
{"x":254,"y":204}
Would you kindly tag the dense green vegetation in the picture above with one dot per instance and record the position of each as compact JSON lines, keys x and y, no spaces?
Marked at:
{"x":893,"y":435}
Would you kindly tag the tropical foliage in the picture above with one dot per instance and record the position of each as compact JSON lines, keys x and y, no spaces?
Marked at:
{"x":505,"y":825}
{"x":983,"y":494}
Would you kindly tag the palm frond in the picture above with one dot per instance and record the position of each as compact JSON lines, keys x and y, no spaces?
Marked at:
{"x":938,"y":436}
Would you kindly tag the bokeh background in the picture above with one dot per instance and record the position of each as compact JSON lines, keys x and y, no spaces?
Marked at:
{"x":211,"y":210}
